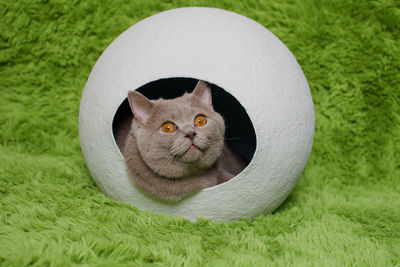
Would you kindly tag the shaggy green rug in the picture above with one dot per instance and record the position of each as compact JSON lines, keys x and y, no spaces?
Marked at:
{"x":345,"y":209}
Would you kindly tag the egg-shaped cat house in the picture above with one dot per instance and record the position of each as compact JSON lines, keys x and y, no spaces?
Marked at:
{"x":256,"y":83}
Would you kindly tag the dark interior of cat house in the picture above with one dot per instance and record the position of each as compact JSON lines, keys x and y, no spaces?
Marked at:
{"x":240,"y":134}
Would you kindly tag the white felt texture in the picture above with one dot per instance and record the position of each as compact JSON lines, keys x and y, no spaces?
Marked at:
{"x":231,"y":51}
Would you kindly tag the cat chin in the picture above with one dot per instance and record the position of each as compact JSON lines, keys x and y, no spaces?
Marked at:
{"x":192,"y":155}
{"x":193,"y":162}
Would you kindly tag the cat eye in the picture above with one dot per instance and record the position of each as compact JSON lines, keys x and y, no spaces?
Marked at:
{"x":200,"y":120}
{"x":168,"y":127}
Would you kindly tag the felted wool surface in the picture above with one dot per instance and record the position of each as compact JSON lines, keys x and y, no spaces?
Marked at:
{"x":344,"y":210}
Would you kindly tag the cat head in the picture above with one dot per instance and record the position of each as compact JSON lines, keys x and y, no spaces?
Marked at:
{"x":178,"y":137}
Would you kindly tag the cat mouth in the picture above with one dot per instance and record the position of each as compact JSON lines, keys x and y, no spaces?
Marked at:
{"x":192,"y":153}
{"x":193,"y":147}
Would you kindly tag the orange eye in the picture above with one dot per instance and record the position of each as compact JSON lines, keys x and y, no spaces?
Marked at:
{"x":168,"y":127}
{"x":200,"y":120}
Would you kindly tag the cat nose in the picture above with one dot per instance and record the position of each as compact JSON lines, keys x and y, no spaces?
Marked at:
{"x":191,"y":135}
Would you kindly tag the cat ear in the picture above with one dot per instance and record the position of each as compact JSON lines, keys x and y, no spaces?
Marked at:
{"x":141,"y":107}
{"x":203,"y":92}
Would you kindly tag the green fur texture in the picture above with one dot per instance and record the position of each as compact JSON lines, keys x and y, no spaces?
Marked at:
{"x":345,"y":210}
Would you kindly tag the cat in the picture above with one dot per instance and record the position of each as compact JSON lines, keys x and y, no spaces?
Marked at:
{"x":175,"y":147}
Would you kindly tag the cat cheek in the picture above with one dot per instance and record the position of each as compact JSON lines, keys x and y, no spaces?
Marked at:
{"x":167,"y":141}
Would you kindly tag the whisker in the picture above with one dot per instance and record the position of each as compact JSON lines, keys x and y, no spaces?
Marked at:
{"x":236,"y":138}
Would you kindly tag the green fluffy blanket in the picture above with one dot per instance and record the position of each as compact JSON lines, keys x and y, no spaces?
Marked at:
{"x":345,"y":210}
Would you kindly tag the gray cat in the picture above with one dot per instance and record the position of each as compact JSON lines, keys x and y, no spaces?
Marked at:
{"x":176,"y":147}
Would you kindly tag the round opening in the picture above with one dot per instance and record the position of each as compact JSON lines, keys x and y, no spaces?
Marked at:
{"x":239,"y":134}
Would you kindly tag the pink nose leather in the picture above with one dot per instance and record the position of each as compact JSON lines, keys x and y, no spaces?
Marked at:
{"x":191,"y":135}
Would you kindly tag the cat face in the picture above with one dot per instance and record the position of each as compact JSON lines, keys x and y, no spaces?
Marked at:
{"x":178,"y":137}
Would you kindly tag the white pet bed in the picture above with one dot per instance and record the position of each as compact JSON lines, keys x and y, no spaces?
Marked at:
{"x":225,"y":49}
